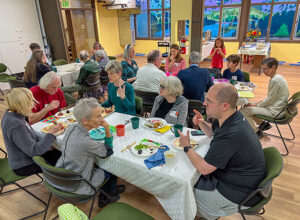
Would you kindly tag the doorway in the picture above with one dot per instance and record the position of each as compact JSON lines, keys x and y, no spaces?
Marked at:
{"x":79,"y":26}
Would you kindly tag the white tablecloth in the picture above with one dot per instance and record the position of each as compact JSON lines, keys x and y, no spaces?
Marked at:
{"x":253,"y":51}
{"x":172,"y":187}
{"x":69,"y":72}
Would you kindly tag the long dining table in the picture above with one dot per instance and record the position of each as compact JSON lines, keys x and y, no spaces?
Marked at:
{"x":173,"y":187}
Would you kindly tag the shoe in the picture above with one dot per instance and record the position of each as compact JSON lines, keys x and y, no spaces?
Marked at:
{"x":260,"y":134}
{"x":265,"y":126}
{"x":104,"y":200}
{"x":120,"y":189}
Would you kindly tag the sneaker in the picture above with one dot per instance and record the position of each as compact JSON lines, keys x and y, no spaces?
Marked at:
{"x":104,"y":200}
{"x":265,"y":126}
{"x":260,"y":134}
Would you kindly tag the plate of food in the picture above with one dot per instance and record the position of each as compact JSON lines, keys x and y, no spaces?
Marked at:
{"x":98,"y":134}
{"x":106,"y":111}
{"x":71,"y":120}
{"x":221,"y":80}
{"x":64,"y":113}
{"x":243,"y":87}
{"x":176,"y":143}
{"x":144,"y":149}
{"x":154,"y":123}
{"x":61,"y":131}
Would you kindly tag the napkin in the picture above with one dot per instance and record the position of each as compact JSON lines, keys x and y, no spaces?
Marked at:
{"x":157,"y":159}
{"x":50,"y":119}
{"x":163,"y":129}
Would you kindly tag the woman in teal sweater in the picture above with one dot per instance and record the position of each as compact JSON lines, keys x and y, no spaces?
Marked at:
{"x":120,"y":93}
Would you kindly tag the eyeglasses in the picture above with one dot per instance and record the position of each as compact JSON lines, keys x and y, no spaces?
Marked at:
{"x":161,"y":86}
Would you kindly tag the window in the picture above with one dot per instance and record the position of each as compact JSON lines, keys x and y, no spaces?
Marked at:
{"x":155,"y":19}
{"x":221,"y":17}
{"x":275,"y":19}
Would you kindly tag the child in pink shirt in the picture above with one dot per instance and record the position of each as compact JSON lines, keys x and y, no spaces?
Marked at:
{"x":174,"y":62}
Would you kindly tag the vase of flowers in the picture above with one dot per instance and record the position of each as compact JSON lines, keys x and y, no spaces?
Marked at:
{"x":253,"y":35}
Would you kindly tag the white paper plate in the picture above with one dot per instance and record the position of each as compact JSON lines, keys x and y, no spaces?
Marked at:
{"x":64,"y":113}
{"x":148,"y":122}
{"x":146,"y":152}
{"x":176,"y":143}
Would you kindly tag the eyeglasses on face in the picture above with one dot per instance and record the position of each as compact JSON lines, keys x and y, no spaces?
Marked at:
{"x":161,"y":86}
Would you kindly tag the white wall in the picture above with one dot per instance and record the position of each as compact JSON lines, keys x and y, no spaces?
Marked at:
{"x":19,"y":26}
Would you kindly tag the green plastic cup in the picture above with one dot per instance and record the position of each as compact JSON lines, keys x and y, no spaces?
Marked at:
{"x":175,"y":129}
{"x":135,"y":121}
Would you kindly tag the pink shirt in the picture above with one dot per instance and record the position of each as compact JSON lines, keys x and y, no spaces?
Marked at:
{"x":176,"y":67}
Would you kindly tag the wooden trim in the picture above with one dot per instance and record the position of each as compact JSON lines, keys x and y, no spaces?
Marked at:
{"x":294,"y":22}
{"x":71,"y":34}
{"x":62,"y":28}
{"x":95,"y":21}
{"x":79,"y":9}
{"x":244,"y":20}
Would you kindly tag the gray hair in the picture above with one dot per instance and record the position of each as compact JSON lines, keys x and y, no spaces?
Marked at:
{"x":126,"y":51}
{"x":270,"y":62}
{"x":47,"y":79}
{"x":100,"y":53}
{"x":83,"y":55}
{"x":195,"y":57}
{"x":83,"y":108}
{"x":113,"y":66}
{"x":153,"y":55}
{"x":172,"y":85}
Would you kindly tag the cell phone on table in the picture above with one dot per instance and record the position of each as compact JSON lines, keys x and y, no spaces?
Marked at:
{"x":197,"y":133}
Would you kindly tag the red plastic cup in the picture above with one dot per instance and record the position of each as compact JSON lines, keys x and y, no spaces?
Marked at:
{"x":120,"y":130}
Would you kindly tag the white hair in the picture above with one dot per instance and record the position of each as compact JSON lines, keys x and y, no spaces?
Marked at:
{"x":83,"y":108}
{"x":195,"y":57}
{"x":100,"y":53}
{"x":113,"y":66}
{"x":47,"y":79}
{"x":126,"y":51}
{"x":172,"y":85}
{"x":83,"y":55}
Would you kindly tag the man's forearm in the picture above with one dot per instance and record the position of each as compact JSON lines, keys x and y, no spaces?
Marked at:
{"x":206,"y":129}
{"x":37,"y":116}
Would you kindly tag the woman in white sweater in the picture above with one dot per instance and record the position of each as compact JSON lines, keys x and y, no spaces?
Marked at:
{"x":276,"y":100}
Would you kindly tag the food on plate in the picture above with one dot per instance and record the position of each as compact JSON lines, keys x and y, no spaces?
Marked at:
{"x":177,"y":143}
{"x":154,"y":124}
{"x":108,"y":110}
{"x":64,"y":126}
{"x":140,"y":146}
{"x":144,"y":149}
{"x":64,"y":113}
{"x":71,"y":120}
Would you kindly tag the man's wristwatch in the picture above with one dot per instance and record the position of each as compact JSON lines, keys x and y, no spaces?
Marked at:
{"x":186,"y":149}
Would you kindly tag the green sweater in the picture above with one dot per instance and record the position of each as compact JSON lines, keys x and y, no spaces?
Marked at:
{"x":127,"y":105}
{"x":89,"y":67}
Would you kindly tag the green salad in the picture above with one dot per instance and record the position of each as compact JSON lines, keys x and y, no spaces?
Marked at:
{"x":140,"y":146}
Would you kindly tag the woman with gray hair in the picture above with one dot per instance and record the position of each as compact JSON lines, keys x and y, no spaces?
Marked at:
{"x":170,"y":104}
{"x":120,"y":93}
{"x":129,"y":66}
{"x":80,"y":152}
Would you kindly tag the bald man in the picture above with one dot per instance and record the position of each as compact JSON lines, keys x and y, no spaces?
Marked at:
{"x":234,"y":165}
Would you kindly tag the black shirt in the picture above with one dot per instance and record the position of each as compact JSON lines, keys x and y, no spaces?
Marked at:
{"x":163,"y":109}
{"x":237,"y":153}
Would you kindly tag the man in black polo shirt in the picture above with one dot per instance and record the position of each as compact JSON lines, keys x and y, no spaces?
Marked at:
{"x":234,"y":165}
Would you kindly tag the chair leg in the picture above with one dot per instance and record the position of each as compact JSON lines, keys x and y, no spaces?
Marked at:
{"x":92,"y":205}
{"x":284,"y":138}
{"x":30,"y":193}
{"x":48,"y":204}
{"x":243,"y":216}
{"x":33,"y":184}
